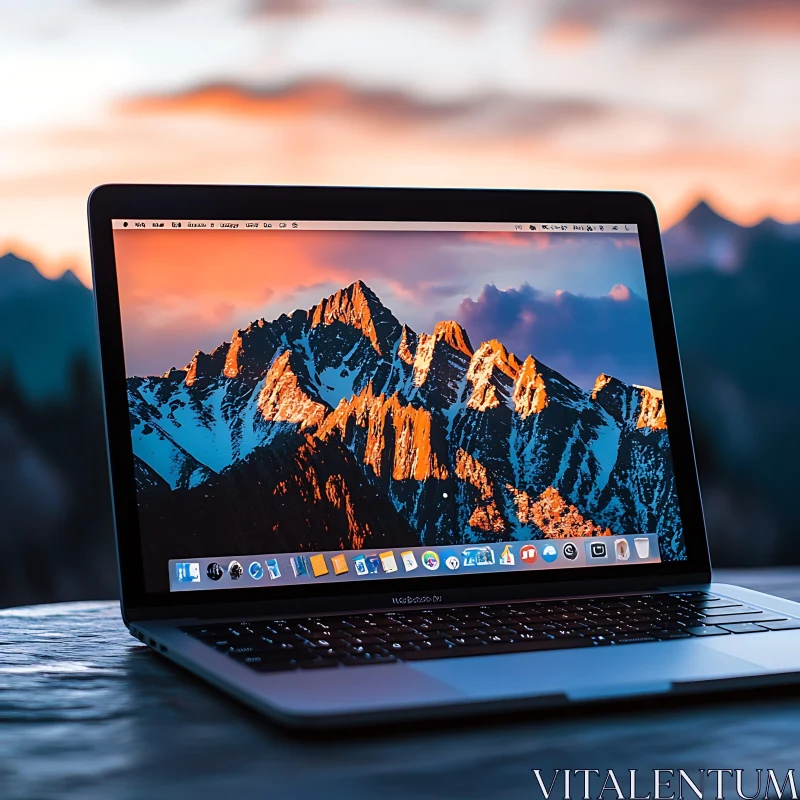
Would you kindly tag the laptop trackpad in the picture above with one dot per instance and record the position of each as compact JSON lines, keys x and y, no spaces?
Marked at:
{"x":603,"y":671}
{"x":777,"y":652}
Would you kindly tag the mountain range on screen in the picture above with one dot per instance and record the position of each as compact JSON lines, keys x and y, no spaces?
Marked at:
{"x":341,"y":428}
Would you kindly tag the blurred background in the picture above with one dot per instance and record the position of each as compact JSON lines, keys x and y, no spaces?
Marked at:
{"x":694,"y":103}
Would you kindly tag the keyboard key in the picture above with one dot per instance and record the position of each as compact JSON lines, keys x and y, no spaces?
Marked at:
{"x":515,"y":647}
{"x":533,"y":636}
{"x":281,"y":638}
{"x":432,"y":627}
{"x":238,"y":650}
{"x":366,"y":651}
{"x":319,"y":663}
{"x":545,"y":627}
{"x":273,"y":666}
{"x":491,"y":631}
{"x":276,"y":647}
{"x":744,"y":627}
{"x":634,"y":639}
{"x":331,"y":653}
{"x":253,"y":658}
{"x":241,"y":632}
{"x":707,"y":630}
{"x":395,"y":630}
{"x":359,"y":660}
{"x":531,"y":619}
{"x":620,"y":630}
{"x":729,"y":611}
{"x":403,"y":637}
{"x":433,"y":635}
{"x":604,"y":621}
{"x":206,"y":631}
{"x":719,"y":603}
{"x":434,"y":644}
{"x":758,"y":617}
{"x":782,"y":625}
{"x":369,"y":640}
{"x":682,"y":634}
{"x":401,"y":647}
{"x":296,"y":654}
{"x":467,"y":641}
{"x":674,"y":625}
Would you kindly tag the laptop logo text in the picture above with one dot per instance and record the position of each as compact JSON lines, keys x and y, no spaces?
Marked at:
{"x":412,"y":600}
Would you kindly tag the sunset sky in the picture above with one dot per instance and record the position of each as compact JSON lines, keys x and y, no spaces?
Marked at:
{"x":678,"y":98}
{"x":577,"y":302}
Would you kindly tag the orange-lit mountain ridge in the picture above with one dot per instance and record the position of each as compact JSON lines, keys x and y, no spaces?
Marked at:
{"x":318,"y":426}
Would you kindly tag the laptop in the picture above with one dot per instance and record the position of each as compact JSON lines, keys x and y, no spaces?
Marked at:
{"x":394,"y":454}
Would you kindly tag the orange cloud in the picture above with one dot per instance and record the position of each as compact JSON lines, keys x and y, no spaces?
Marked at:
{"x":232,"y":100}
{"x":569,"y":34}
{"x":312,"y":98}
{"x":326,"y":133}
{"x":620,"y":292}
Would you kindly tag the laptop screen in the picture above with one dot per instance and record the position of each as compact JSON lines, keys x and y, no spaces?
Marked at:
{"x":317,"y":402}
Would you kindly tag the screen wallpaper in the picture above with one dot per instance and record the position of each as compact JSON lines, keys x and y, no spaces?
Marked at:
{"x":390,"y":389}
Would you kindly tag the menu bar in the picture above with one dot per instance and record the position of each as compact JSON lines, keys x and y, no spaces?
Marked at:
{"x":291,"y":569}
{"x":371,"y":225}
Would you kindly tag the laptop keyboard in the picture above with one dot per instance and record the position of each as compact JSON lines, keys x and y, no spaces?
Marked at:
{"x":414,"y":635}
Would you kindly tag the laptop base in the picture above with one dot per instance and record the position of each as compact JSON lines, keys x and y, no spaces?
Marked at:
{"x":457,"y":687}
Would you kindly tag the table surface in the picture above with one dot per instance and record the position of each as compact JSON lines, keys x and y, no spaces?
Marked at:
{"x":88,"y":712}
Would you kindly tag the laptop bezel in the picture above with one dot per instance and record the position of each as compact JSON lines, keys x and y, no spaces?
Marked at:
{"x":395,"y":204}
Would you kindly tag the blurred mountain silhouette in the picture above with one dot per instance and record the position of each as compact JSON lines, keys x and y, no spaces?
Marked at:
{"x":734,"y":292}
{"x":44,"y":325}
{"x":735,"y":306}
{"x":705,"y":240}
{"x":55,"y":521}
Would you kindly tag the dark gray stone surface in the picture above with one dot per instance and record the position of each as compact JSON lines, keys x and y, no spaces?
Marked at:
{"x":87,"y":712}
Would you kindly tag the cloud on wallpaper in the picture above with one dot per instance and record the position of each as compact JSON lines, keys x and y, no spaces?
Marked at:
{"x":569,"y":332}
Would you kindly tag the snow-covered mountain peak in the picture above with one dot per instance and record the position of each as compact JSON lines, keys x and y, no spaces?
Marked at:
{"x":635,"y":406}
{"x":359,"y":307}
{"x":615,"y":397}
{"x":396,"y":438}
{"x":530,"y":391}
{"x":204,"y":365}
{"x":502,"y":359}
{"x":651,"y":409}
{"x":283,"y":398}
{"x":252,"y":348}
{"x":606,"y":382}
{"x":489,"y":362}
{"x":452,"y":333}
{"x":448,"y":343}
{"x":407,"y":346}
